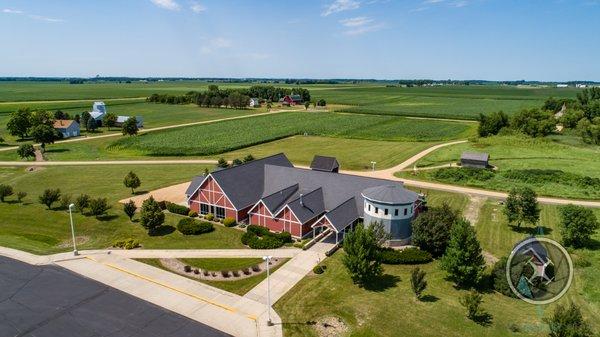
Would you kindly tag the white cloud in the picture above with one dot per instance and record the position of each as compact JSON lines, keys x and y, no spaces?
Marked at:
{"x":44,"y":18}
{"x":340,"y":6}
{"x":196,"y":7}
{"x":215,"y":44}
{"x":11,"y":11}
{"x":356,"y":22}
{"x":171,"y":5}
{"x":364,"y":29}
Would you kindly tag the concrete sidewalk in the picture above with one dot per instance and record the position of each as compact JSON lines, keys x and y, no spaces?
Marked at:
{"x":289,"y":274}
{"x":219,"y":309}
{"x":198,"y":253}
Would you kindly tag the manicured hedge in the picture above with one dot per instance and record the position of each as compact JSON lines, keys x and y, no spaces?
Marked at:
{"x":189,"y":226}
{"x":258,"y":237}
{"x":229,"y":222}
{"x":177,"y":209}
{"x":405,"y":256}
{"x":127,"y":243}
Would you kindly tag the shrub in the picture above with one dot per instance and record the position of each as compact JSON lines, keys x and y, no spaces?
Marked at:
{"x":236,"y":273}
{"x":225,"y":273}
{"x":463,"y":174}
{"x":187,"y":268}
{"x":318,"y":269}
{"x":205,"y":272}
{"x":472,"y":302}
{"x":418,"y":282}
{"x":127,"y":243}
{"x":229,"y":222}
{"x":193,"y":214}
{"x":209,"y":217}
{"x":196,"y":271}
{"x":177,"y":209}
{"x":65,"y":201}
{"x":256,"y":268}
{"x":405,"y":256}
{"x":568,"y":321}
{"x":82,"y":202}
{"x":21,"y":195}
{"x":5,"y":191}
{"x":189,"y":226}
{"x":162,"y":205}
{"x":99,"y":206}
{"x":49,"y":197}
{"x":246,"y":271}
{"x":258,"y":237}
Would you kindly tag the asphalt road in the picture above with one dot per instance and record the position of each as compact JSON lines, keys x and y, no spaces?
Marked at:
{"x":49,"y":301}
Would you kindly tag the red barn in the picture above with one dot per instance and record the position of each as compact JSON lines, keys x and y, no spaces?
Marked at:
{"x":291,"y":100}
{"x":272,"y":193}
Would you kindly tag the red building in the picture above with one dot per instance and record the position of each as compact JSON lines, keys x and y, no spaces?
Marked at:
{"x":272,"y":193}
{"x":291,"y":100}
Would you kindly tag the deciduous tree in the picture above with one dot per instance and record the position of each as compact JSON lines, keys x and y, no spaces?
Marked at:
{"x":99,"y":206}
{"x":5,"y":191}
{"x":567,"y":321}
{"x":44,"y":134}
{"x":362,"y":257}
{"x":577,"y":225}
{"x":431,"y":229}
{"x":130,"y":127}
{"x":26,"y":151}
{"x":49,"y":197}
{"x":521,"y":206}
{"x":19,"y":123}
{"x":109,"y":120}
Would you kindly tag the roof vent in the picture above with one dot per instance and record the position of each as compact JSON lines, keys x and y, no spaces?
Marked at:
{"x":301,"y":200}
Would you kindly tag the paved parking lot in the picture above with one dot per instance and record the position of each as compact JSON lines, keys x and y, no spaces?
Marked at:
{"x":49,"y":301}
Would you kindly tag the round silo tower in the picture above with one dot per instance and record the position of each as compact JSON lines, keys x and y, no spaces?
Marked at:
{"x":393,"y":206}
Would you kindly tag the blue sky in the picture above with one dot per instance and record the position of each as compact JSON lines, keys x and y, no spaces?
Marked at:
{"x":439,"y":39}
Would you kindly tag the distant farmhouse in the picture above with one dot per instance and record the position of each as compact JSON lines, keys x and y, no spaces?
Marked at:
{"x":291,"y":100}
{"x":474,"y":160}
{"x":254,"y":102}
{"x":68,"y":128}
{"x":99,"y":110}
{"x":272,"y":193}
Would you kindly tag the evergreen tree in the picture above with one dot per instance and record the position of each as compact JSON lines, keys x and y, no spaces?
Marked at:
{"x":418,"y":282}
{"x":99,"y":206}
{"x":463,"y":260}
{"x":472,"y":302}
{"x":151,"y":216}
{"x":362,"y":257}
{"x":132,"y":181}
{"x":129,"y":208}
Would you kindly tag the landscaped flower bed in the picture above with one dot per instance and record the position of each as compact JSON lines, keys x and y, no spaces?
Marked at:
{"x":232,"y":274}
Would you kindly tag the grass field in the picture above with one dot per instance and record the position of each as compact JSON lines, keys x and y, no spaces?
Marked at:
{"x":460,"y":102}
{"x":521,"y":154}
{"x":389,"y":307}
{"x":32,"y":228}
{"x":240,"y":287}
{"x":226,"y":136}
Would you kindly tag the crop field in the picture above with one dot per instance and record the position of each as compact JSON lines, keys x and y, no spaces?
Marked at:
{"x":548,"y":166}
{"x":226,"y":136}
{"x":452,"y":102}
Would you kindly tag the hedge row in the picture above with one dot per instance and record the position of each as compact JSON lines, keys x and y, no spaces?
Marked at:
{"x":177,"y":209}
{"x":257,"y":237}
{"x":405,"y":256}
{"x":189,"y":226}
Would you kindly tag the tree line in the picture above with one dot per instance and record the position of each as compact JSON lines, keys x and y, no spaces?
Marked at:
{"x":230,"y":97}
{"x":582,"y":115}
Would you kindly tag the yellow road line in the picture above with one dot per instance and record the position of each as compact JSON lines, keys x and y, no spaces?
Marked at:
{"x":200,"y":298}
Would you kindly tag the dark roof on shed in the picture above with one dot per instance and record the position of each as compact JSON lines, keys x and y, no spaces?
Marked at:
{"x":323,"y":163}
{"x":478,"y":156}
{"x":390,"y":194}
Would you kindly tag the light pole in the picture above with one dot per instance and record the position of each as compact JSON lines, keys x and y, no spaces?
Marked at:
{"x":373,"y":164}
{"x":73,"y":229}
{"x":267,"y":259}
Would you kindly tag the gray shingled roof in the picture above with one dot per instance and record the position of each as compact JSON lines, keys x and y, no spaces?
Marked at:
{"x":244,"y":183}
{"x":275,"y":201}
{"x":390,"y":194}
{"x":323,"y":163}
{"x":312,"y":205}
{"x":196,"y":181}
{"x":344,"y":214}
{"x":479,"y":156}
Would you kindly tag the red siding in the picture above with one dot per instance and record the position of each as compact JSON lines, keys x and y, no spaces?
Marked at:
{"x":210,"y":193}
{"x":286,"y":221}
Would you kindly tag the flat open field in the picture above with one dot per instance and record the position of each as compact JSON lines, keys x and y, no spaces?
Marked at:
{"x":31,"y":227}
{"x":458,"y":102}
{"x":518,"y":160}
{"x":390,"y":309}
{"x":226,"y":136}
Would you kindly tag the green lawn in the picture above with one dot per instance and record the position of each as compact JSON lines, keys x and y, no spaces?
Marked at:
{"x":522,"y":154}
{"x":389,"y":307}
{"x":31,"y":227}
{"x":459,"y":102}
{"x":239,"y":287}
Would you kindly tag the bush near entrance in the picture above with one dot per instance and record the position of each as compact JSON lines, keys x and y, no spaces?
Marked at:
{"x":258,"y":237}
{"x":189,"y":226}
{"x":229,"y":222}
{"x":177,"y":209}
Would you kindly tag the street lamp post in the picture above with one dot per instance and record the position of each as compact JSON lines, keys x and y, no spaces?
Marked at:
{"x":373,"y":164}
{"x":267,"y":259}
{"x":73,"y":229}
